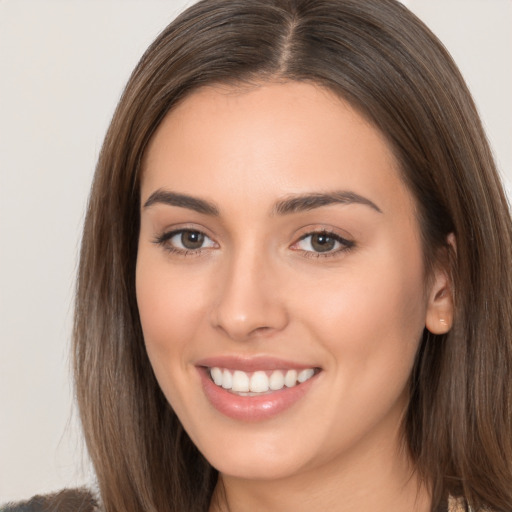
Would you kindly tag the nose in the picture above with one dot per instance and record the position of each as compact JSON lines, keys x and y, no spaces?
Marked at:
{"x":249,"y":302}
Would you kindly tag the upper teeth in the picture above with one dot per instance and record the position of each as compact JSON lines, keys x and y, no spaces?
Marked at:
{"x":259,"y":381}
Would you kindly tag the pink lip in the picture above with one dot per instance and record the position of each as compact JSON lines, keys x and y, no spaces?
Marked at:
{"x":251,"y":408}
{"x":252,"y":364}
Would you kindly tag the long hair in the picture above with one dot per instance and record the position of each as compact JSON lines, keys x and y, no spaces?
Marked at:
{"x":380,"y":58}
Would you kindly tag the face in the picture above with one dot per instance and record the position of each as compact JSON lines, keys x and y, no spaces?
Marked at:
{"x":280,"y":279}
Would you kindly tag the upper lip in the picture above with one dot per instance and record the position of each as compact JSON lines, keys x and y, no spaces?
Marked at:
{"x":251,"y":364}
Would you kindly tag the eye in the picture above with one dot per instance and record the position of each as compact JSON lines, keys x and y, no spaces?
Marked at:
{"x":185,"y":240}
{"x":323,"y":242}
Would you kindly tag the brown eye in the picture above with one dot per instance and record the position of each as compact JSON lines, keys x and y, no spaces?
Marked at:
{"x":192,"y":239}
{"x":322,"y":242}
{"x":184,"y":241}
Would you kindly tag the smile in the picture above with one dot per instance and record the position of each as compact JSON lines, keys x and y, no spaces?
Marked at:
{"x":258,"y":382}
{"x":256,"y":389}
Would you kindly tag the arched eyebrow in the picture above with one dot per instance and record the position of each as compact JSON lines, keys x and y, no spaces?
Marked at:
{"x":305,"y":202}
{"x":293,"y":204}
{"x":183,"y":201}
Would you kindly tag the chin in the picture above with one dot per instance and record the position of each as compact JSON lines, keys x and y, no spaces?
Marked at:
{"x":256,"y":468}
{"x":259,"y":455}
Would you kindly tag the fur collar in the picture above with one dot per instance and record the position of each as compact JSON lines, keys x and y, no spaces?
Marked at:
{"x":68,"y":500}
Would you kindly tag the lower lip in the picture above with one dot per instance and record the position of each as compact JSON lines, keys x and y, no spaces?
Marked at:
{"x":252,"y":408}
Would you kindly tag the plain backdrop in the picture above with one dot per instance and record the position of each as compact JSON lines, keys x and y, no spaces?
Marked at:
{"x":63,"y":65}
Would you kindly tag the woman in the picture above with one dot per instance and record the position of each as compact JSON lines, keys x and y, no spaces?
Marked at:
{"x":294,"y":280}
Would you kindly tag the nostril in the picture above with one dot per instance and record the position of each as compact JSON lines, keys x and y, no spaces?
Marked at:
{"x":247,"y":304}
{"x":243,"y":330}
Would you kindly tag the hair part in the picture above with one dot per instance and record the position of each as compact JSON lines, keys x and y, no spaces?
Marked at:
{"x":382,"y":60}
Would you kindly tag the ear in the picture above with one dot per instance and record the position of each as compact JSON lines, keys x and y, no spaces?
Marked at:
{"x":439,"y":317}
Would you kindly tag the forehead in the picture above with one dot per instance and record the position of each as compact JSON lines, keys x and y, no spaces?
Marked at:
{"x":270,"y":139}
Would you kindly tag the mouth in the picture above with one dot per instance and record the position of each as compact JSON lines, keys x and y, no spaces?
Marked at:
{"x":255,"y":390}
{"x":259,"y":382}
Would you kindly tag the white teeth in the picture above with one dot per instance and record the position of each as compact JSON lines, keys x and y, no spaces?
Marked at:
{"x":227,"y":379}
{"x":240,"y":381}
{"x":276,"y":380}
{"x":217,"y":376}
{"x":291,"y":378}
{"x":304,"y":375}
{"x":259,"y":381}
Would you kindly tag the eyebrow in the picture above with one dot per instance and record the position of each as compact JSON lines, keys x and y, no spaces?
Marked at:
{"x":294,"y":204}
{"x":307,"y":202}
{"x":183,"y":201}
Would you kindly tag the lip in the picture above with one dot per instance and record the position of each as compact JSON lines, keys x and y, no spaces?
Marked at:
{"x":252,"y":408}
{"x":252,"y":364}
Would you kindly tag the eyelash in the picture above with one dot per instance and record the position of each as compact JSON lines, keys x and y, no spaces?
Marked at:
{"x":163,"y":241}
{"x":346,"y":245}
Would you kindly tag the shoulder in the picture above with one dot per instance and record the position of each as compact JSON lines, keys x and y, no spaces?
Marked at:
{"x":68,"y":500}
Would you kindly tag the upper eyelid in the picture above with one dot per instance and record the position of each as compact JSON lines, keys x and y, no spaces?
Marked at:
{"x":328,"y":230}
{"x":169,"y":231}
{"x":332,"y":234}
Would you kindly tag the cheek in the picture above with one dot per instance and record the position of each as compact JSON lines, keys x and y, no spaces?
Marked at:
{"x":370,"y":312}
{"x":369,"y":321}
{"x":170,"y":308}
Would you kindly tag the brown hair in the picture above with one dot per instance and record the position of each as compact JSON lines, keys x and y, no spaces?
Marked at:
{"x":387,"y":64}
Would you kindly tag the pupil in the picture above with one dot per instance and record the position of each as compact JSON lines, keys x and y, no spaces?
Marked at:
{"x":322,"y":242}
{"x":192,"y":239}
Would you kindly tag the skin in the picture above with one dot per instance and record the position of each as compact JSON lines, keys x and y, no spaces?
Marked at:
{"x":258,"y":288}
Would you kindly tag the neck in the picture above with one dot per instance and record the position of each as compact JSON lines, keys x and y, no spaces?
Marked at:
{"x":379,"y":481}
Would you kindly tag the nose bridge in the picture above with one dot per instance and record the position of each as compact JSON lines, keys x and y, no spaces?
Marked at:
{"x":248,"y":300}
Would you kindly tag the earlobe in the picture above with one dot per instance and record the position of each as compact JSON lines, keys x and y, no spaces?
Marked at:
{"x":439,"y":317}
